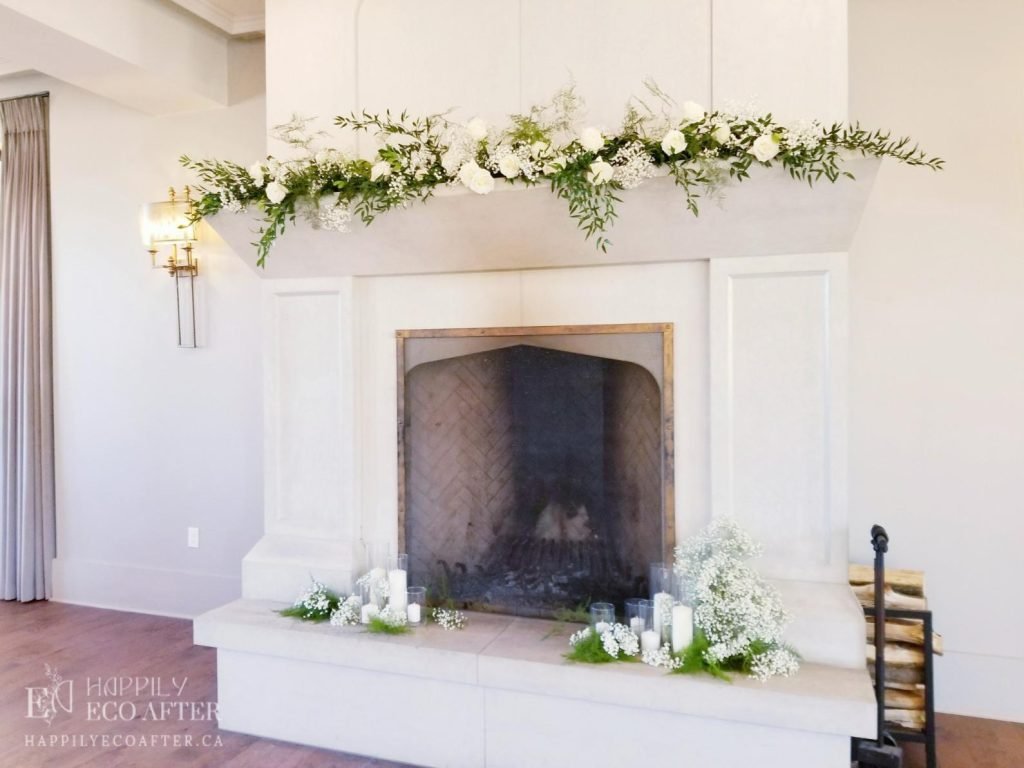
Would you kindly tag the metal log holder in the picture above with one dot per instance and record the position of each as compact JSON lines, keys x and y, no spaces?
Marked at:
{"x":883,"y":752}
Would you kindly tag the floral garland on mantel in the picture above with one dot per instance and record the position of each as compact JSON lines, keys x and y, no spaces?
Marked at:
{"x":586,"y":168}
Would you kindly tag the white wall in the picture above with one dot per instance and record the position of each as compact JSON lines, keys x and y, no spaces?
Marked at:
{"x":495,"y":57}
{"x":937,"y":361}
{"x":150,"y":438}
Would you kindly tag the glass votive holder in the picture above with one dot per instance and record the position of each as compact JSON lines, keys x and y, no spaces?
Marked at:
{"x":398,"y":581}
{"x":602,"y":616}
{"x":662,"y":581}
{"x":633,"y":619}
{"x":415,"y":610}
{"x":650,"y":641}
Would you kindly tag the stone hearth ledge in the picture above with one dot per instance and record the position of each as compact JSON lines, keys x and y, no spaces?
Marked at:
{"x":526,"y":656}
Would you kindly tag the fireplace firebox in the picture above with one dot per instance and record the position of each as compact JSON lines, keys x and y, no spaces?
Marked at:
{"x":535,"y":463}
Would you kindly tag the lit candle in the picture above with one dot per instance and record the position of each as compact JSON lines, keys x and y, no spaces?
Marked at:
{"x":368,"y":612}
{"x":413,"y":612}
{"x":662,"y":608}
{"x":637,"y":625}
{"x":682,"y":627}
{"x":397,"y":584}
{"x":650,"y":641}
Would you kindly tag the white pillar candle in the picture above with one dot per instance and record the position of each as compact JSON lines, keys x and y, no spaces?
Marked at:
{"x":662,"y":610}
{"x":682,"y":627}
{"x":413,"y":613}
{"x":650,"y":641}
{"x":637,"y":625}
{"x":602,"y":627}
{"x":397,"y":585}
{"x":368,"y":612}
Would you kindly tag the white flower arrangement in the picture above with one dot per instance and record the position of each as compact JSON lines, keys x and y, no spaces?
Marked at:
{"x":347,"y":614}
{"x":449,"y":619}
{"x":617,"y":643}
{"x":741,"y":616}
{"x":393,"y":617}
{"x":585,"y":168}
{"x":663,"y":657}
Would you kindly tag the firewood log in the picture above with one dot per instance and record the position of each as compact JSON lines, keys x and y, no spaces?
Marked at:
{"x":907,"y":582}
{"x":899,"y":676}
{"x":899,"y":655}
{"x":905,"y":631}
{"x":866,"y":594}
{"x":906,"y":718}
{"x":897,"y":698}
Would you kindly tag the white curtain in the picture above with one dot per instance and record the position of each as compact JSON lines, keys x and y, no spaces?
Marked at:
{"x":27,"y":515}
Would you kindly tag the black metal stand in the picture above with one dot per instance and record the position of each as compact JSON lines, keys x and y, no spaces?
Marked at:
{"x":883,"y":752}
{"x":927,"y":736}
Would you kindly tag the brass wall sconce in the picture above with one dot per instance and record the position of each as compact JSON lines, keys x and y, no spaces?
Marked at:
{"x":170,"y":223}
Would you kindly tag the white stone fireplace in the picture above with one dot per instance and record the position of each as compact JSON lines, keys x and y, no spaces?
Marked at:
{"x":755,"y":294}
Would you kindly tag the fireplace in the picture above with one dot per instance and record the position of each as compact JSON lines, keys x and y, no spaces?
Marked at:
{"x":534,"y":463}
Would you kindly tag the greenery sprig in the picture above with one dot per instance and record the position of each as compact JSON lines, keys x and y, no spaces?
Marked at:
{"x":415,"y":156}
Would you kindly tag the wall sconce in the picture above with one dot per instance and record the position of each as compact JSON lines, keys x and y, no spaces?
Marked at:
{"x":169,"y":223}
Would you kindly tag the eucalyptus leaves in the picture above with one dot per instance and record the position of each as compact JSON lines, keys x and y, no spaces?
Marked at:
{"x":582,"y":165}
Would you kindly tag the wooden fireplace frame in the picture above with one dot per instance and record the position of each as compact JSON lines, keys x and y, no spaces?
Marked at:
{"x":666,"y":330}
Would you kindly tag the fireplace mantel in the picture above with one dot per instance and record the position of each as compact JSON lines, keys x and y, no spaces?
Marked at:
{"x":518,"y":228}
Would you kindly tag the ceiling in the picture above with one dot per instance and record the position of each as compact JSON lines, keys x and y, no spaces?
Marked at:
{"x":235,"y":17}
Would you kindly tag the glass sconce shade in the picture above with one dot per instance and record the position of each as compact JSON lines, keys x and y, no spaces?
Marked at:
{"x":167,"y":222}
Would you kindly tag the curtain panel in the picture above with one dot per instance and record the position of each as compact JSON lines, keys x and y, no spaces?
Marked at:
{"x":27,"y":506}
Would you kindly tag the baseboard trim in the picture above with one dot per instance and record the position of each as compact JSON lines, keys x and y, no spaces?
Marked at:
{"x":139,"y":589}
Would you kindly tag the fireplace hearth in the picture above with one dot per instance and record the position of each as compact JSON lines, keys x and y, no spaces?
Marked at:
{"x":533,"y":463}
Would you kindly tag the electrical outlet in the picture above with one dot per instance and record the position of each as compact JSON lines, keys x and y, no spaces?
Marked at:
{"x":193,"y":538}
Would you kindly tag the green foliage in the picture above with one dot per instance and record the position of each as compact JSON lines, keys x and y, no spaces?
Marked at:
{"x":578,"y":615}
{"x":411,"y":162}
{"x":694,"y":660}
{"x":589,"y":650}
{"x":379,"y":626}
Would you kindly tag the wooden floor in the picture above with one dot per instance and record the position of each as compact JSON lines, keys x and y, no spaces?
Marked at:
{"x":88,"y":644}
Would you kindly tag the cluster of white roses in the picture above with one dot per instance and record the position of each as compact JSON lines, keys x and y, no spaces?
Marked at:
{"x":740,"y":614}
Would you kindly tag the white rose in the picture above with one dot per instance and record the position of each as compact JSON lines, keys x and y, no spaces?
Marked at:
{"x":276,"y":192}
{"x":591,"y":139}
{"x":510,"y":166}
{"x":466,"y":172}
{"x":380,"y":170}
{"x":475,"y":178}
{"x":399,"y":140}
{"x":765,"y":147}
{"x":538,"y":148}
{"x":256,"y":171}
{"x":480,"y":181}
{"x":600,"y":172}
{"x":693,"y":112}
{"x":721,"y":134}
{"x":477,"y":129}
{"x":673,"y":143}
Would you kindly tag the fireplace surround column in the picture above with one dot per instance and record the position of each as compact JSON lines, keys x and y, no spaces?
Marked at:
{"x":309,"y":439}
